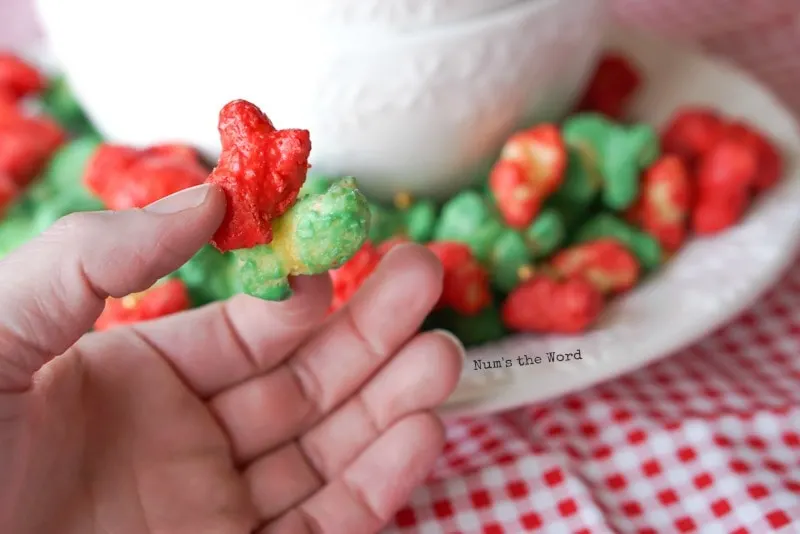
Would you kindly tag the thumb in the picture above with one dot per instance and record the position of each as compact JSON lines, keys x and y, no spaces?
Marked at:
{"x":54,"y":288}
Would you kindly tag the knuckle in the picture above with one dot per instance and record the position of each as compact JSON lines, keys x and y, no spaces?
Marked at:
{"x":73,"y":225}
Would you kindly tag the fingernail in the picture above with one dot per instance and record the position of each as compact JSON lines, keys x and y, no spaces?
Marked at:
{"x":180,"y":201}
{"x":457,"y":342}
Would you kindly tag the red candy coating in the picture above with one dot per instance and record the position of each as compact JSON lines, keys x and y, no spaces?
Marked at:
{"x":261,"y":171}
{"x":613,"y":84}
{"x":666,"y":201}
{"x":8,"y":192}
{"x":724,"y":179}
{"x":604,"y":263}
{"x":545,"y":305}
{"x":465,"y":287}
{"x":18,"y":78}
{"x":770,"y":162}
{"x":730,"y":164}
{"x":634,"y":214}
{"x":125,"y":177}
{"x":531,"y":167}
{"x":719,"y":212}
{"x":348,"y":278}
{"x":691,"y":133}
{"x":8,"y":104}
{"x":517,"y":201}
{"x":26,"y":145}
{"x":162,"y":299}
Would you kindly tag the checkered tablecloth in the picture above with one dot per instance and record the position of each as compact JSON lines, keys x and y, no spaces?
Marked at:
{"x":706,"y":441}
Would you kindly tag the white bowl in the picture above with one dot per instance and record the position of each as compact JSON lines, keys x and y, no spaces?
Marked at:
{"x":382,"y":15}
{"x":420,"y":112}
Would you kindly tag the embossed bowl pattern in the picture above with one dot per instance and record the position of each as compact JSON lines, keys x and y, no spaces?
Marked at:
{"x":422,"y":112}
{"x":397,"y":15}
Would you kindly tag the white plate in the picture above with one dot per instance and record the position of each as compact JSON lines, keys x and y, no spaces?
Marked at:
{"x":707,"y":284}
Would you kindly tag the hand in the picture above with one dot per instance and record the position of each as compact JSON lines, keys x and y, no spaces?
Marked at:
{"x":243,"y":416}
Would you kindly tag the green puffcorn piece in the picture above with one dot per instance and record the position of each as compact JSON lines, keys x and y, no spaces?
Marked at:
{"x":645,"y":142}
{"x":59,"y":102}
{"x":319,"y":233}
{"x":587,"y":132}
{"x":60,"y":190}
{"x":209,"y":276}
{"x":420,"y":220}
{"x":467,"y":218}
{"x":508,"y":257}
{"x":385,"y":223}
{"x":314,"y":185}
{"x":605,"y":225}
{"x":628,"y":152}
{"x":485,"y":327}
{"x":56,"y":193}
{"x":546,"y":233}
{"x":416,"y":222}
{"x":620,"y":153}
{"x":581,"y":185}
{"x":16,"y":229}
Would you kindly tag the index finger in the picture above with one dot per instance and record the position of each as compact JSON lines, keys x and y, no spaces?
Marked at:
{"x":54,"y":288}
{"x":220,"y":345}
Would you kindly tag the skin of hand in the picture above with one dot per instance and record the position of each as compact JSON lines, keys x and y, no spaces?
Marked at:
{"x":238,"y":417}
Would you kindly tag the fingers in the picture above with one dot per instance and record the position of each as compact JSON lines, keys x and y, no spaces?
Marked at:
{"x":373,"y":487}
{"x":281,"y":480}
{"x":422,"y":376}
{"x":269,"y":410}
{"x":54,"y":287}
{"x":218,"y":346}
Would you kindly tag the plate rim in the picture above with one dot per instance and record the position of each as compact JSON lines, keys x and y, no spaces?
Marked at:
{"x":491,"y":399}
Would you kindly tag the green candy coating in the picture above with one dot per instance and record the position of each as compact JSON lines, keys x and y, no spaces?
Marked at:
{"x":645,"y":144}
{"x":263,"y":273}
{"x":314,"y":185}
{"x":420,"y":220}
{"x":473,"y":330}
{"x":416,"y":222}
{"x":57,"y":192}
{"x":546,"y":233}
{"x":59,"y":102}
{"x":328,"y":228}
{"x":209,"y":276}
{"x":319,"y":233}
{"x":467,"y":218}
{"x":587,"y":132}
{"x":605,"y":225}
{"x":582,"y":182}
{"x":508,"y":256}
{"x":15,"y":230}
{"x":385,"y":223}
{"x":60,"y":190}
{"x":619,"y":152}
{"x":628,"y":151}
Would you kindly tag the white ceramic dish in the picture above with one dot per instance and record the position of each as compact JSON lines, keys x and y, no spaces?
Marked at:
{"x":708,"y":283}
{"x":384,"y":15}
{"x":418,"y":112}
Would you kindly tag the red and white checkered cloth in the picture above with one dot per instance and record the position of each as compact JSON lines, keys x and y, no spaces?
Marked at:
{"x":705,"y":441}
